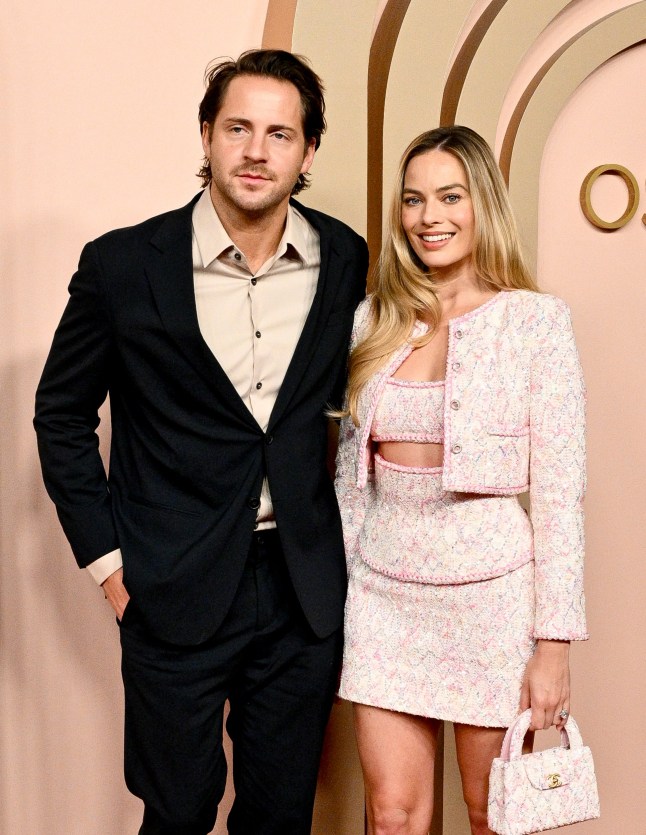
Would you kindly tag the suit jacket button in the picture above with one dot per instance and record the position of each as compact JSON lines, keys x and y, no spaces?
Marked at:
{"x":253,"y":503}
{"x":269,"y":439}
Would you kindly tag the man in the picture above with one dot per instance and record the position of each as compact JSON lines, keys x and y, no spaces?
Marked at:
{"x":220,"y":332}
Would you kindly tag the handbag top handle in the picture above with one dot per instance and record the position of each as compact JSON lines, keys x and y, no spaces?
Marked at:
{"x":512,"y":745}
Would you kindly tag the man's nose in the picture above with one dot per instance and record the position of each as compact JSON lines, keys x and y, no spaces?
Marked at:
{"x":256,"y":147}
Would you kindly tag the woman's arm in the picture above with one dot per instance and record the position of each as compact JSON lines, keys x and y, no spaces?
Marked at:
{"x":557,"y":476}
{"x":557,"y":487}
{"x":351,"y":499}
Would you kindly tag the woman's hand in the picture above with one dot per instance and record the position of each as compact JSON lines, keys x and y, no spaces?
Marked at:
{"x":546,"y":685}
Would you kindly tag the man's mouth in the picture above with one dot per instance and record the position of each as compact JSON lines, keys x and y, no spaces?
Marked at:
{"x":256,"y":176}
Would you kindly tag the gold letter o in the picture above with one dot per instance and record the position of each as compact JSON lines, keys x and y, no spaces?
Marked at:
{"x":633,"y":196}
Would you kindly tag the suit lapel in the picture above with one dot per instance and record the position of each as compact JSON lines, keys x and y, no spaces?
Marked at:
{"x":169,"y":269}
{"x":315,"y":322}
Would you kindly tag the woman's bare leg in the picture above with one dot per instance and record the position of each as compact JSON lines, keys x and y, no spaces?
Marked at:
{"x":476,"y":750}
{"x":397,"y":753}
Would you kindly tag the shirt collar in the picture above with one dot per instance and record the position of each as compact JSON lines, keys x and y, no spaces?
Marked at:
{"x":212,"y":239}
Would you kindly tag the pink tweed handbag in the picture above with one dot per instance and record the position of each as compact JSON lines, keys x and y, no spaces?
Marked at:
{"x":545,"y":790}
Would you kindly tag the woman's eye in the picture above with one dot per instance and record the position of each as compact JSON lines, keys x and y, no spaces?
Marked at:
{"x":412,"y":201}
{"x":451,"y":198}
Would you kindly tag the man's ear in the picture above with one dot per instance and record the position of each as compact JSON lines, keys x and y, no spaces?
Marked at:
{"x":207,"y":132}
{"x":310,"y":150}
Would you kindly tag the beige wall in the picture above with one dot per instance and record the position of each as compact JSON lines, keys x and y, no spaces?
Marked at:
{"x":98,"y":129}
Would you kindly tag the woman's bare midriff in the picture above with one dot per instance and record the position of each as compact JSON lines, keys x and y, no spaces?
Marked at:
{"x":408,"y":454}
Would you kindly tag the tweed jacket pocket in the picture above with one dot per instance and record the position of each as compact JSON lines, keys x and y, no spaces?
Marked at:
{"x":507,"y":460}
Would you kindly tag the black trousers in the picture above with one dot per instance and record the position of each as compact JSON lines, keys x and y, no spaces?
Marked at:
{"x":279,"y":679}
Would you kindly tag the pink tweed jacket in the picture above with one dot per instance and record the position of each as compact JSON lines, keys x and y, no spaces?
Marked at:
{"x":514,"y":421}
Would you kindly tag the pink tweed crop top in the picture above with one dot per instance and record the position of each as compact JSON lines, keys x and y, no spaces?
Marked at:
{"x":410,"y":410}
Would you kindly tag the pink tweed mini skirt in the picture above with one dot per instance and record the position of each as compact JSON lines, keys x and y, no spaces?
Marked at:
{"x":448,"y":650}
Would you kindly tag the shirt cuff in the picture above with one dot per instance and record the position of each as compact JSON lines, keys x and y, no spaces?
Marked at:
{"x":106,"y":565}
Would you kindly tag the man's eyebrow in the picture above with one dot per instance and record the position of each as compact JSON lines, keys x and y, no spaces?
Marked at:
{"x":239,"y":120}
{"x":284,"y":128}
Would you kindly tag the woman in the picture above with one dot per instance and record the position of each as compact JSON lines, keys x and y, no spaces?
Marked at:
{"x":465,"y":391}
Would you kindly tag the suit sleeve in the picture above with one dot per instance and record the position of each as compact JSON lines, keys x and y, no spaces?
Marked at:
{"x":557,"y":477}
{"x":73,"y":386}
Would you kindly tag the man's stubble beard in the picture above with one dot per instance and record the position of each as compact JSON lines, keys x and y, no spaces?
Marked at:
{"x":249,"y":202}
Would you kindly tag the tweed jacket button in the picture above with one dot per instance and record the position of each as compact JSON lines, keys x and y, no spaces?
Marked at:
{"x":459,"y":334}
{"x":456,"y":366}
{"x":455,"y":405}
{"x":456,"y":448}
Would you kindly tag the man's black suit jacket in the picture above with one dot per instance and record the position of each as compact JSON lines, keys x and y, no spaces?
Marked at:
{"x":187,"y":458}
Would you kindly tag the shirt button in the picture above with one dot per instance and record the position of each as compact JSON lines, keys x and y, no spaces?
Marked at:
{"x":254,"y":281}
{"x":456,"y":448}
{"x":258,"y":386}
{"x":253,"y":503}
{"x":457,"y":366}
{"x":455,"y":404}
{"x":237,"y":256}
{"x":258,"y":334}
{"x":459,"y":334}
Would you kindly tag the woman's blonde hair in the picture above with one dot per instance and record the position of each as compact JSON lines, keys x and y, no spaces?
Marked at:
{"x":403,"y":288}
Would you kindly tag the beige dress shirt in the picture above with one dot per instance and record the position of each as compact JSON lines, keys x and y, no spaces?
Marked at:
{"x":251,"y":322}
